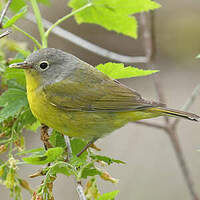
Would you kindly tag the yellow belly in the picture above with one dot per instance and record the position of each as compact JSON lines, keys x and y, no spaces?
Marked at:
{"x":80,"y":124}
{"x":76,"y":124}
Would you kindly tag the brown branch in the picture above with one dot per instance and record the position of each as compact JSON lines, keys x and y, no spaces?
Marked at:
{"x":4,"y":13}
{"x":45,"y":136}
{"x":150,"y":50}
{"x":188,"y":104}
{"x":149,"y":45}
{"x":158,"y":126}
{"x":182,"y":163}
{"x":88,"y":45}
{"x":5,"y":33}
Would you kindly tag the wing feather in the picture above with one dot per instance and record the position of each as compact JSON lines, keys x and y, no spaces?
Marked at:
{"x":87,"y":89}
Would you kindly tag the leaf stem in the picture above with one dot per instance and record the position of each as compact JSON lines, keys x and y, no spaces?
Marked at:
{"x":27,"y":34}
{"x":66,"y":17}
{"x":39,"y":22}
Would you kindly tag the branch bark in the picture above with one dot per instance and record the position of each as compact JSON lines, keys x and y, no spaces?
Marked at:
{"x":88,"y":45}
{"x":4,"y":12}
{"x":149,"y":45}
{"x":5,"y":33}
{"x":79,"y":187}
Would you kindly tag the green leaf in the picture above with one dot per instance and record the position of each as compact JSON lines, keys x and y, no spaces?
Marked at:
{"x":113,"y":14}
{"x":12,"y":101}
{"x":27,"y":118}
{"x":50,"y":155}
{"x":118,"y":71}
{"x":61,"y":168}
{"x":13,"y":84}
{"x":89,"y":170}
{"x":37,"y":150}
{"x":106,"y":159}
{"x":45,"y":2}
{"x":16,"y":5}
{"x":17,"y":75}
{"x":77,"y":145}
{"x":109,"y":195}
{"x":17,"y":16}
{"x":91,"y":189}
{"x":198,"y":56}
{"x":57,"y":139}
{"x":34,"y":126}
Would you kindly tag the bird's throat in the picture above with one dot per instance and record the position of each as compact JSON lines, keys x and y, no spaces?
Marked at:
{"x":33,"y":80}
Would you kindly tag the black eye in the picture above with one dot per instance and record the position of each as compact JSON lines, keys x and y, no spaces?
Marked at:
{"x":44,"y":65}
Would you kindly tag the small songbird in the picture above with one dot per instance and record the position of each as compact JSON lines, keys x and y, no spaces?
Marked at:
{"x":74,"y":98}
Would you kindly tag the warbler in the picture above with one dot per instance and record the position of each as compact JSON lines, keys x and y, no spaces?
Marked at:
{"x":74,"y":98}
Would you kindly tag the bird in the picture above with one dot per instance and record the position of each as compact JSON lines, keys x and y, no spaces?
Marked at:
{"x":77,"y":100}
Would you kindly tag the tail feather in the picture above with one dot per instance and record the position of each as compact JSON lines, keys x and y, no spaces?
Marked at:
{"x":175,"y":113}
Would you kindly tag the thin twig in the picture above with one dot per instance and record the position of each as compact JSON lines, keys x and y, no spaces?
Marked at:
{"x":147,"y":36}
{"x":182,"y":163}
{"x":34,"y":40}
{"x":88,"y":45}
{"x":151,"y":125}
{"x":149,"y":47}
{"x":5,"y":33}
{"x":149,"y":44}
{"x":69,"y":149}
{"x":4,"y":13}
{"x":188,"y":103}
{"x":79,"y":187}
{"x":66,"y":17}
{"x":80,"y":191}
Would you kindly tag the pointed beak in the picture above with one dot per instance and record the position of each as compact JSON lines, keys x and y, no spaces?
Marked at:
{"x":22,"y":65}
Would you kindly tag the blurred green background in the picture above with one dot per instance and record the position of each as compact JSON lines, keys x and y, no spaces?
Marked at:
{"x":152,"y":171}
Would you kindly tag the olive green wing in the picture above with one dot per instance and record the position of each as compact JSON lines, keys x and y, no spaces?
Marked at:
{"x":88,"y":89}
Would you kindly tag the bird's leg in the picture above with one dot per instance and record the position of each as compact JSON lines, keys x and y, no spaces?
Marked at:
{"x":87,"y":146}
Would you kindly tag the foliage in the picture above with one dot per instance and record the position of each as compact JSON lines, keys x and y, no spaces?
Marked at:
{"x":15,"y":114}
{"x":113,"y":15}
{"x":118,"y":71}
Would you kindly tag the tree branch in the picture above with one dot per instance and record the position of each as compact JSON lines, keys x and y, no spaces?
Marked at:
{"x":79,"y":187}
{"x":182,"y":163}
{"x":4,"y":12}
{"x":149,"y":45}
{"x":188,"y":103}
{"x":151,"y":125}
{"x":88,"y":45}
{"x":80,"y":191}
{"x":5,"y":33}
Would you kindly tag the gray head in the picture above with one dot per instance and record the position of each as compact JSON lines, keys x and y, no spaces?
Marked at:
{"x":50,"y":64}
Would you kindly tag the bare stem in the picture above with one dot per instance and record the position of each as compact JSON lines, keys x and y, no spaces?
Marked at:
{"x":27,"y":35}
{"x":79,"y":187}
{"x":80,"y":191}
{"x":4,"y":13}
{"x":69,"y":149}
{"x":66,"y":17}
{"x":188,"y":103}
{"x":151,"y":125}
{"x":182,"y":163}
{"x":5,"y":34}
{"x":39,"y":22}
{"x":149,"y":45}
{"x":88,"y":45}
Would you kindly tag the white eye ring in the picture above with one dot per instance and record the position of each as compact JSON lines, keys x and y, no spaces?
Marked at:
{"x":44,"y":65}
